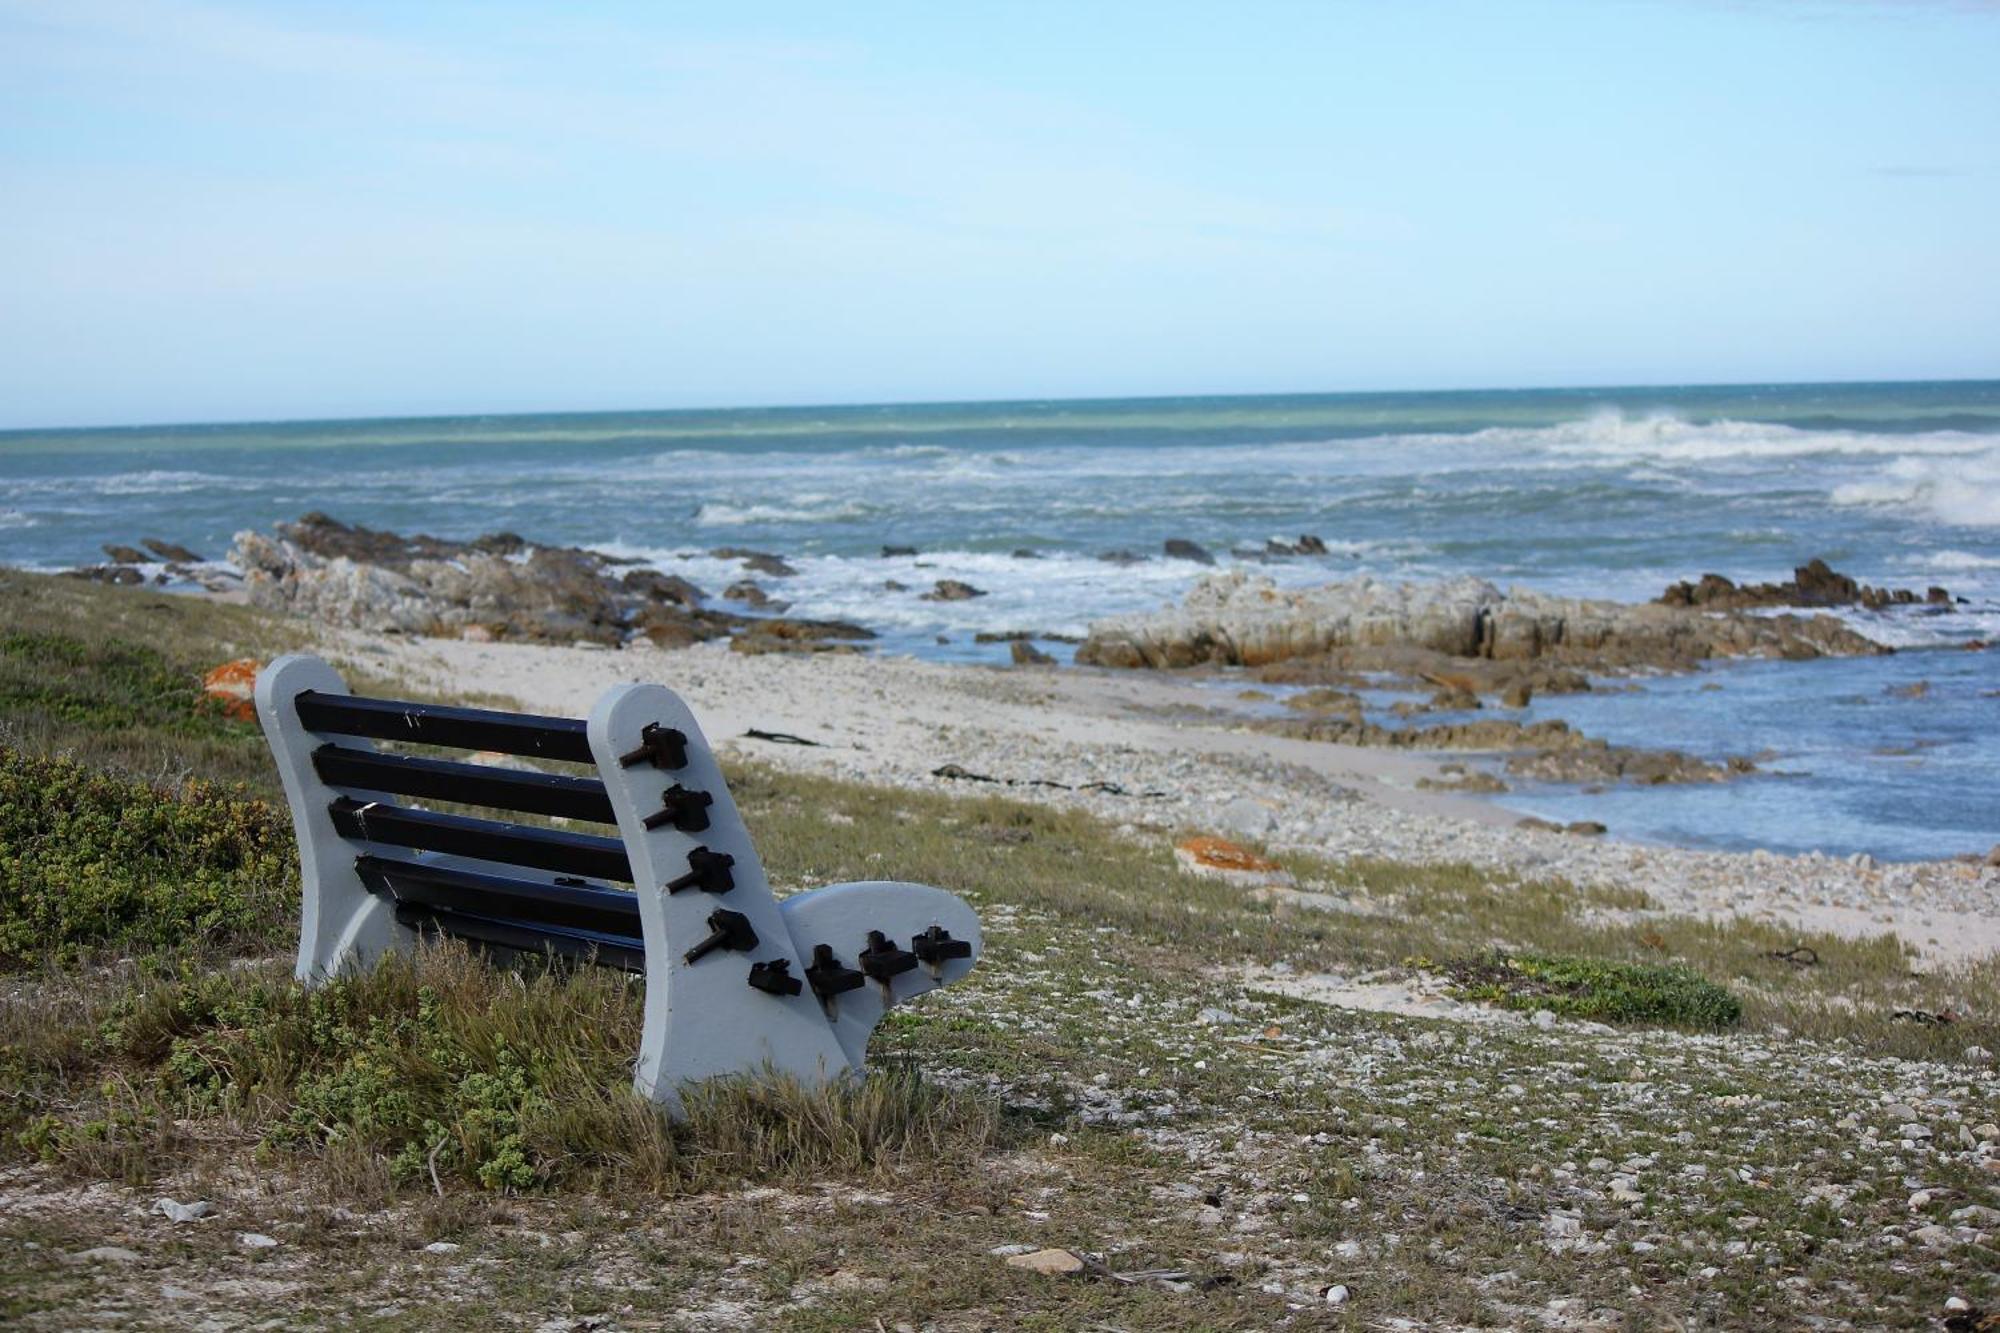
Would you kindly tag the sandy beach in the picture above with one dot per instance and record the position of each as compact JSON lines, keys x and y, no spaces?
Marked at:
{"x":1185,"y":765}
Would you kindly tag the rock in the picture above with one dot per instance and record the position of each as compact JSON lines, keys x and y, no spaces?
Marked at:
{"x":799,"y":636}
{"x":122,"y":575}
{"x":1517,"y":695}
{"x":1023,"y":553}
{"x":1311,"y":545}
{"x":760,"y":562}
{"x":663,"y":588}
{"x":171,"y":551}
{"x":1914,"y":690}
{"x":1221,"y":859}
{"x":234,"y":684}
{"x":255,"y":1240}
{"x":1545,"y":1019}
{"x":1813,"y":584}
{"x":1336,"y":1294}
{"x":1026,"y":654}
{"x":952,"y":590}
{"x":1122,"y":558}
{"x":888,"y":585}
{"x":891,"y":552}
{"x":1977,"y":1055}
{"x":107,"y":1254}
{"x":175,"y":1211}
{"x":476,"y":634}
{"x":442,"y":1247}
{"x":1993,"y":857}
{"x":1246,"y":816}
{"x":746,"y":592}
{"x":1213,"y":1016}
{"x":1586,"y":828}
{"x":1537,"y":824}
{"x":1236,"y":618}
{"x":1054,"y":1263}
{"x":124,"y":555}
{"x":1179,"y":548}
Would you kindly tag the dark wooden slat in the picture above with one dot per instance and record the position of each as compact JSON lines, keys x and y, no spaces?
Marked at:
{"x":614,"y":911}
{"x":442,"y":724}
{"x":583,"y":945}
{"x":484,"y":839}
{"x":471,"y":784}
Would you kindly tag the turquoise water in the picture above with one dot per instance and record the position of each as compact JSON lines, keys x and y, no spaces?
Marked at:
{"x":1611,"y":492}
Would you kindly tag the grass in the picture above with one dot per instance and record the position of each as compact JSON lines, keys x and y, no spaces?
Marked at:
{"x":1077,"y":1090}
{"x":1595,"y":989}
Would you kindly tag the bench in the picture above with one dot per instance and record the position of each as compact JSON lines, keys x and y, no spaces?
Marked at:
{"x":737,"y":982}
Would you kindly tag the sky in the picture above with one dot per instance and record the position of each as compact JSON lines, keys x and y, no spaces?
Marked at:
{"x":234,"y":211}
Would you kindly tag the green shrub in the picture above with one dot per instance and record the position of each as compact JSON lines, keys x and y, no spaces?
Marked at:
{"x":1595,"y":988}
{"x":90,"y":859}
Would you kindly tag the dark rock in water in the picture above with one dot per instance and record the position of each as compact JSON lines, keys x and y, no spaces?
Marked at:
{"x":1003,"y":636}
{"x":663,"y":587}
{"x":758,"y":562}
{"x":1586,"y":828}
{"x":748,"y":593}
{"x":124,"y":555}
{"x":1914,"y":690}
{"x":1122,"y":558}
{"x":891,"y":552}
{"x":123,"y":575}
{"x":1026,"y":654}
{"x":1307,"y":544}
{"x":1517,"y":695}
{"x":1538,"y":824}
{"x":890,"y":585}
{"x":952,"y":590}
{"x":799,"y":636}
{"x":171,"y":551}
{"x":1179,"y":548}
{"x":1311,"y":545}
{"x":1812,"y":584}
{"x":1023,"y":553}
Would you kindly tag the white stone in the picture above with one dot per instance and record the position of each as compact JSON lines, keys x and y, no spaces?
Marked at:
{"x":175,"y":1211}
{"x":1336,"y":1295}
{"x":255,"y":1240}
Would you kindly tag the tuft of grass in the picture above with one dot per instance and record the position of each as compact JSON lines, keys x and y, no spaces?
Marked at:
{"x":437,"y":1069}
{"x":1609,"y":992}
{"x":90,"y":859}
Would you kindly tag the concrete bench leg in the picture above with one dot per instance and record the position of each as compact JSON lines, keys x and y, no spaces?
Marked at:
{"x":703,"y":1018}
{"x":342,"y":926}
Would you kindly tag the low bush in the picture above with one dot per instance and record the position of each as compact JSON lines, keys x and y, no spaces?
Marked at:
{"x":1595,"y":988}
{"x":91,"y":860}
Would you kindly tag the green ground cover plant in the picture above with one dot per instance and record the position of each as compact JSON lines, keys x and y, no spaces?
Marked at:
{"x":1593,"y":988}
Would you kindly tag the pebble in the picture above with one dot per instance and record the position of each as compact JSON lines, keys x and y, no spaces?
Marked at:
{"x":255,"y":1240}
{"x":1544,"y":1019}
{"x":441,"y":1247}
{"x":1336,"y":1295}
{"x":175,"y":1211}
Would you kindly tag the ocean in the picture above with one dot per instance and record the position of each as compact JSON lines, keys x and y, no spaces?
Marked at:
{"x":1599,"y":492}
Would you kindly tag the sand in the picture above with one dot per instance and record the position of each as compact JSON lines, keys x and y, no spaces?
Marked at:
{"x":1182,"y":764}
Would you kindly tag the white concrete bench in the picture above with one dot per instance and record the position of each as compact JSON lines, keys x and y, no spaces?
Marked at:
{"x":737,"y":982}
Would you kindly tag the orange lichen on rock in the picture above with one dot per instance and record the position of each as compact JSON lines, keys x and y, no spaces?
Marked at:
{"x":1228,"y":860}
{"x":235,"y":685}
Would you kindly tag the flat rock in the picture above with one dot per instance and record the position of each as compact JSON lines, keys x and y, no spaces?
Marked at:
{"x":1056,"y":1263}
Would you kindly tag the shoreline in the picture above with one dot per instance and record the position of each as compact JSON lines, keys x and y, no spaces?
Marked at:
{"x":891,"y":721}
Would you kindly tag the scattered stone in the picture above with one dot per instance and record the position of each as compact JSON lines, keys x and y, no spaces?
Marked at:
{"x":1179,"y":548}
{"x":1249,"y":817}
{"x":1221,"y":859}
{"x":255,"y":1240}
{"x":743,"y":590}
{"x":1336,"y":1294}
{"x":1545,"y":1019}
{"x":1026,"y":654}
{"x":234,"y":684}
{"x":952,"y":590}
{"x":1212,"y":1016}
{"x":442,"y":1247}
{"x":1586,"y":828}
{"x":1055,"y":1263}
{"x":124,"y":555}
